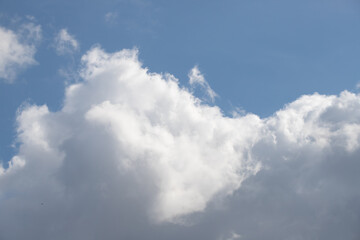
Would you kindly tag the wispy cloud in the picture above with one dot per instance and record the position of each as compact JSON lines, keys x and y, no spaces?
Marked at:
{"x":111,"y":17}
{"x":197,"y":79}
{"x":65,"y":43}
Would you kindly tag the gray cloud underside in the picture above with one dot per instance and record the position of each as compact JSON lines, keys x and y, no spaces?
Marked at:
{"x":132,"y":155}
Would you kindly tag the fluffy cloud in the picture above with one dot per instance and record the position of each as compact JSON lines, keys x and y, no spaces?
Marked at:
{"x":17,"y":49}
{"x":133,"y":155}
{"x":65,"y":43}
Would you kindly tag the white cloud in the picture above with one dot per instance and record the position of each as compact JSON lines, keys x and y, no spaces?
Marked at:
{"x":197,"y":79}
{"x":17,"y":50}
{"x":65,"y":43}
{"x":130,"y":148}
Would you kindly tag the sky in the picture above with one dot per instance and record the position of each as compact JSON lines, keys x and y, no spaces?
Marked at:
{"x":134,"y":119}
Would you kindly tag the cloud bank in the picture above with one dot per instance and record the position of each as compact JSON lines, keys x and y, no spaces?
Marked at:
{"x":133,"y":155}
{"x":17,"y":50}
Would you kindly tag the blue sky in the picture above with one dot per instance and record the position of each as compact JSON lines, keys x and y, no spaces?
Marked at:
{"x":258,"y":56}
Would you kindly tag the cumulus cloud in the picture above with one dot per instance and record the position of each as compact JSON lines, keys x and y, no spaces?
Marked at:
{"x":133,"y":155}
{"x":17,"y":49}
{"x":197,"y":79}
{"x":65,"y":43}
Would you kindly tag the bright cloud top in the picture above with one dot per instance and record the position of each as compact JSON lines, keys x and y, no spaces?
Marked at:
{"x":17,"y":49}
{"x":129,"y":143}
{"x":65,"y":43}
